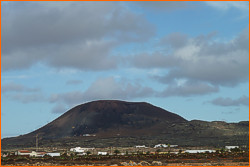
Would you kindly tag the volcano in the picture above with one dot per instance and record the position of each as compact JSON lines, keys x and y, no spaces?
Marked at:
{"x":109,"y":116}
{"x":98,"y":123}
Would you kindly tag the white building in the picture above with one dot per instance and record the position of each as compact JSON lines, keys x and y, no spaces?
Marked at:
{"x":30,"y":153}
{"x":143,"y":146}
{"x":231,"y":147}
{"x":80,"y":149}
{"x":38,"y":154}
{"x":88,"y":135}
{"x":53,"y":154}
{"x":77,"y":150}
{"x":23,"y":152}
{"x":161,"y":146}
{"x":102,"y":153}
{"x":164,"y":146}
{"x":199,"y":151}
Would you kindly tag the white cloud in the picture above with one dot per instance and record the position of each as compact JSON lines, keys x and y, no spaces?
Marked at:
{"x":188,"y":88}
{"x":107,"y":88}
{"x":154,"y":60}
{"x":103,"y":88}
{"x":201,"y":59}
{"x":226,"y":5}
{"x":162,"y":5}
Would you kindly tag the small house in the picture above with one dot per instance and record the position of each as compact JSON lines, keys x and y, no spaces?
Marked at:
{"x":142,"y":146}
{"x":102,"y":153}
{"x":231,"y":147}
{"x":23,"y":152}
{"x":161,"y":146}
{"x":77,"y":150}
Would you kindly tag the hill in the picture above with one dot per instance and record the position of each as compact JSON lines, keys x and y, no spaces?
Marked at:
{"x":112,"y":122}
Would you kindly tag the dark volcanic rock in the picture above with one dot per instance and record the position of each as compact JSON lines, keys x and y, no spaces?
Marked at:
{"x":109,"y":116}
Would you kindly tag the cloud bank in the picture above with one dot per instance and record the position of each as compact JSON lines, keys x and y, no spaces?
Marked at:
{"x":200,"y":59}
{"x":68,"y":34}
{"x":220,"y":101}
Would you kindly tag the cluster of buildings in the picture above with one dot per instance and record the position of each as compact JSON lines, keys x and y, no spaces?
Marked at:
{"x":165,"y":146}
{"x":36,"y":153}
{"x":99,"y":151}
{"x":158,"y":146}
{"x":227,"y":148}
{"x":85,"y":151}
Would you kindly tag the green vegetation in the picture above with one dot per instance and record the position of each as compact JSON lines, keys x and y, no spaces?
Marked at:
{"x":116,"y":152}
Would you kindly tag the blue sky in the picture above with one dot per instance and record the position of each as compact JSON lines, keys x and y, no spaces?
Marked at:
{"x":190,"y":58}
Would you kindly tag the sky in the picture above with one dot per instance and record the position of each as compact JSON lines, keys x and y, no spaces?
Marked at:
{"x":189,"y":58}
